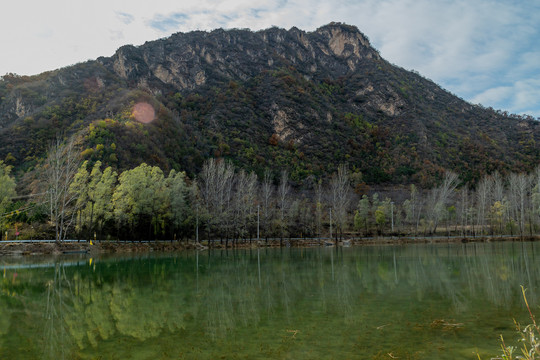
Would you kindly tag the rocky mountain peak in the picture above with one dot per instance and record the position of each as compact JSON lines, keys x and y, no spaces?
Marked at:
{"x":341,"y":36}
{"x":187,"y":60}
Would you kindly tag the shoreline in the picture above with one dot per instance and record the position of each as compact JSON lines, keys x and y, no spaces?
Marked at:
{"x":107,"y":247}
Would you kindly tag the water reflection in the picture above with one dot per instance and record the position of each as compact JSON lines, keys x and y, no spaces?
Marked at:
{"x":414,"y":301}
{"x":59,"y":294}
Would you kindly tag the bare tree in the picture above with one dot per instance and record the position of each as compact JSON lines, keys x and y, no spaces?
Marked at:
{"x":439,"y":197}
{"x":266,"y":199}
{"x":215,"y":189}
{"x":535,"y":197}
{"x":244,"y":200}
{"x":340,"y":191}
{"x":318,"y":206}
{"x":283,"y":193}
{"x":497,"y":189}
{"x":413,"y":207}
{"x":499,"y":203}
{"x":483,"y":192}
{"x":519,"y":184}
{"x":464,"y":210}
{"x":62,"y":164}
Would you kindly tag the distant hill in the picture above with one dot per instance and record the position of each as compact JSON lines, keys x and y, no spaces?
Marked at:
{"x":304,"y":101}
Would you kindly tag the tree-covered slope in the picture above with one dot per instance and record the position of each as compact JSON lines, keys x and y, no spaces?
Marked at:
{"x":304,"y":101}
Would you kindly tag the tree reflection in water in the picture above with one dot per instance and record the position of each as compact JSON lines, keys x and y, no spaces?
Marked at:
{"x":278,"y":302}
{"x":59,"y":303}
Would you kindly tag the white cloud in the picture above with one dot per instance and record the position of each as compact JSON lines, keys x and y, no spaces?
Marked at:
{"x":494,"y":95}
{"x":521,"y":97}
{"x":527,"y":93}
{"x":125,"y":17}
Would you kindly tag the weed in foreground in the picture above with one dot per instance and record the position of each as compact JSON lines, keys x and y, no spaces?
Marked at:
{"x":530,"y":349}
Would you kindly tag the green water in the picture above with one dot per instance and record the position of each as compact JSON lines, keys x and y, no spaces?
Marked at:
{"x":410,"y":302}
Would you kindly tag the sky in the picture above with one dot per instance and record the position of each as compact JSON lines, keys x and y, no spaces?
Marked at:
{"x":485,"y":51}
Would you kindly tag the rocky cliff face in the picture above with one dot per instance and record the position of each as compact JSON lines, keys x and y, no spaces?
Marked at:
{"x":186,"y":61}
{"x":275,"y":98}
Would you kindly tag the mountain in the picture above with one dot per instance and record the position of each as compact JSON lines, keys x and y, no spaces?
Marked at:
{"x":277,"y":99}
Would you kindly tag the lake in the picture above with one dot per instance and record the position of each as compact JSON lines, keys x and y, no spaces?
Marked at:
{"x":387,"y":302}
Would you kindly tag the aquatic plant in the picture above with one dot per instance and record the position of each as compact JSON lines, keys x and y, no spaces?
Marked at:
{"x":529,"y":338}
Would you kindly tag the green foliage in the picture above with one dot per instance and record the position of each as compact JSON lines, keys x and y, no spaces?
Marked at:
{"x":358,"y":221}
{"x":361,"y":218}
{"x":7,"y":192}
{"x":180,"y":197}
{"x":94,"y":201}
{"x":380,"y":216}
{"x":357,"y":122}
{"x":140,"y":196}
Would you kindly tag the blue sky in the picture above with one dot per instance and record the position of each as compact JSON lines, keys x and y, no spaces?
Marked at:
{"x":485,"y":51}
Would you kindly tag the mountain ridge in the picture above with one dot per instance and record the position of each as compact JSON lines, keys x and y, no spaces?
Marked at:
{"x":275,"y":98}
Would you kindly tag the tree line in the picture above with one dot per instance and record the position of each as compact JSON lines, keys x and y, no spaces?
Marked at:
{"x":86,"y":201}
